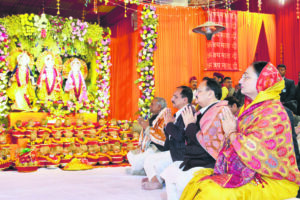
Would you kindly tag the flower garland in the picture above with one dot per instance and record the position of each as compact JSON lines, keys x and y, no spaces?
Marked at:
{"x":79,"y":29}
{"x":145,"y":65}
{"x":66,"y":37}
{"x":3,"y":70}
{"x":103,"y":81}
{"x":27,"y":22}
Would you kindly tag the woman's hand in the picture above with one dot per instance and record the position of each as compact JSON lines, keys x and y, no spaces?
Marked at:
{"x":228,"y":121}
{"x":188,"y":116}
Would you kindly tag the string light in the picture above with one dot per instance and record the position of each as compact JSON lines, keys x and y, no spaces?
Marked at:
{"x":57,"y":3}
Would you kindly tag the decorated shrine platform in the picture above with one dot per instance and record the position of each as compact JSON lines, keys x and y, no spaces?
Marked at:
{"x":38,"y":116}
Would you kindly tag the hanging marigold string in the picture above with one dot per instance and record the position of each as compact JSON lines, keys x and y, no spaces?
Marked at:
{"x":297,"y":9}
{"x":95,"y":6}
{"x":259,"y":2}
{"x":58,"y":13}
{"x":83,"y":14}
{"x":248,"y":5}
{"x":125,"y":12}
{"x":226,"y":5}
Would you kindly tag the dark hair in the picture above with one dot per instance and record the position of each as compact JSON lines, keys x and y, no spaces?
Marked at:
{"x":227,"y":78}
{"x":205,"y":78}
{"x":186,"y":92}
{"x":232,"y":100}
{"x":213,"y":85}
{"x":281,"y":66}
{"x":258,"y":66}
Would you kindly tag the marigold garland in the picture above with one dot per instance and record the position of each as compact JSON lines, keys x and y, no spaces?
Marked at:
{"x":145,"y":65}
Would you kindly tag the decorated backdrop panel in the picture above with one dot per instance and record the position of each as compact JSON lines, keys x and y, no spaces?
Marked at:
{"x":222,"y":50}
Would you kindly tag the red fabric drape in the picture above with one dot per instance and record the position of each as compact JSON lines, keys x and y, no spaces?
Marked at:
{"x":262,"y":50}
{"x":288,"y":36}
{"x":124,"y":49}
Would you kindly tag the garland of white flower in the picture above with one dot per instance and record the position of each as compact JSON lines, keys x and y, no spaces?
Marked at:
{"x":145,"y":65}
{"x":102,"y":102}
{"x":3,"y":70}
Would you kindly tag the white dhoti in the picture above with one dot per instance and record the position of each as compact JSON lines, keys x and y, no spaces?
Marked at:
{"x":136,"y":160}
{"x":156,"y":163}
{"x":176,"y":179}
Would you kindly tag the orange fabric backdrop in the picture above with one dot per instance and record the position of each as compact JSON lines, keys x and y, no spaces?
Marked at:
{"x":180,"y":54}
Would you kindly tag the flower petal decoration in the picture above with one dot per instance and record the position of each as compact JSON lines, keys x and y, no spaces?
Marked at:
{"x":145,"y":66}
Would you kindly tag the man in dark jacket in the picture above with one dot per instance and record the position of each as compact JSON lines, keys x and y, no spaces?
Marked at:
{"x":288,"y":93}
{"x":175,"y":140}
{"x":197,"y":156}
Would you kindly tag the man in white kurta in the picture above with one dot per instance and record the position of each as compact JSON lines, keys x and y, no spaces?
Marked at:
{"x":152,"y":137}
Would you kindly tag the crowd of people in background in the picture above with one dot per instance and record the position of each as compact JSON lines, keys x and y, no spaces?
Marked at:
{"x":224,"y":142}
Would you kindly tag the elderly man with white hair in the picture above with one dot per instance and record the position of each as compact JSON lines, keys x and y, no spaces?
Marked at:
{"x":152,"y":137}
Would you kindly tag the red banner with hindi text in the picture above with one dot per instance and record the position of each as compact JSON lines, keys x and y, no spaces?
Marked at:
{"x":222,"y":50}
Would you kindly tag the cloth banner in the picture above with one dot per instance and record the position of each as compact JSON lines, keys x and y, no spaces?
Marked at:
{"x":223,"y":48}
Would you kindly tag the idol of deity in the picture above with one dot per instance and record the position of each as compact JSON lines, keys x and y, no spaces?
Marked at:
{"x":50,"y":80}
{"x":21,"y":83}
{"x":75,"y":86}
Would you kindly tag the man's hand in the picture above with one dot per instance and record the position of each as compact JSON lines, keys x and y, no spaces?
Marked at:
{"x":143,"y":123}
{"x":168,"y":117}
{"x":188,"y":116}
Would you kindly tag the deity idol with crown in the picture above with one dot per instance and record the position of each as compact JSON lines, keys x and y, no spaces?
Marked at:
{"x":50,"y":80}
{"x":21,"y":82}
{"x":75,"y":85}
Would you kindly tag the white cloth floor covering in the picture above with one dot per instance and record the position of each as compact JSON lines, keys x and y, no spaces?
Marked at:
{"x":56,"y":184}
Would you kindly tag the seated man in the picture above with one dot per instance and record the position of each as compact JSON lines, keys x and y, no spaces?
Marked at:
{"x":152,"y":137}
{"x":228,"y":84}
{"x":175,"y":141}
{"x":204,"y":138}
{"x":220,"y":79}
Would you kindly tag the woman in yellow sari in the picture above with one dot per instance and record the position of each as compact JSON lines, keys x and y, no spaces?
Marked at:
{"x":257,"y":160}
